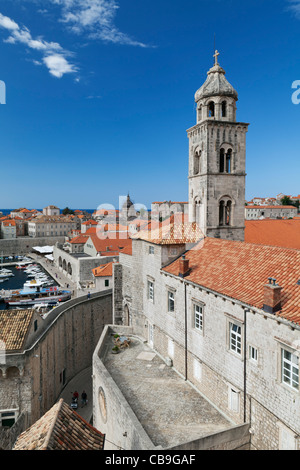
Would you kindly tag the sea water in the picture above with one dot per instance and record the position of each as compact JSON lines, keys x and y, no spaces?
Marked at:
{"x":17,"y":281}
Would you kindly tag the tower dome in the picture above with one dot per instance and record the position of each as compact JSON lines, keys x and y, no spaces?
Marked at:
{"x":216,"y":84}
{"x":216,"y":99}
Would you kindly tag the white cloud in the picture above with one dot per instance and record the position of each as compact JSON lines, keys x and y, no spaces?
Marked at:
{"x":294,"y":6}
{"x":96,"y":18}
{"x":7,"y":23}
{"x":58,"y":65}
{"x":54,"y":56}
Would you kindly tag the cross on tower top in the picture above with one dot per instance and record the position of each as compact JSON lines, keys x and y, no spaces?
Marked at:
{"x":216,"y":55}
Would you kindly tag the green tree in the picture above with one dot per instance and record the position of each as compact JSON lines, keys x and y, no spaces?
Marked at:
{"x":286,"y":201}
{"x":67,"y":211}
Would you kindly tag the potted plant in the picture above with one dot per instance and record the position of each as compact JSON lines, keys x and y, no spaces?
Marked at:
{"x":115,"y":350}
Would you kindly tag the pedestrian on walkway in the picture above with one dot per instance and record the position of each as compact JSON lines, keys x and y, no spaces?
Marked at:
{"x":83,"y":399}
{"x":89,"y":295}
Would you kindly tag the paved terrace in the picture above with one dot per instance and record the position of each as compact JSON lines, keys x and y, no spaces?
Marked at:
{"x":170,"y":410}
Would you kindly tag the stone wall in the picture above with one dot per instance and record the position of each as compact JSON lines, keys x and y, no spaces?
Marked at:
{"x":23,"y":245}
{"x":112,"y":413}
{"x":64,"y":347}
{"x":237,"y":438}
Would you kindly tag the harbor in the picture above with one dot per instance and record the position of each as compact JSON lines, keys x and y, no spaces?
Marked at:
{"x":26,"y":283}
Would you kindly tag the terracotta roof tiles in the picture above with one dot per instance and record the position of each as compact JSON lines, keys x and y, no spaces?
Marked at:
{"x":174,"y":230}
{"x":14,"y":326}
{"x":105,"y":270}
{"x":240,"y":270}
{"x":60,"y":428}
{"x":284,"y":233}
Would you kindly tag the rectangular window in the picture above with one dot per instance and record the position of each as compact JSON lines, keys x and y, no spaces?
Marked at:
{"x":253,"y":354}
{"x":151,"y":291}
{"x":234,"y":400}
{"x":151,"y":250}
{"x":7,"y":418}
{"x":290,"y":369}
{"x":198,"y":317}
{"x":106,"y":282}
{"x":235,"y":338}
{"x":171,"y":301}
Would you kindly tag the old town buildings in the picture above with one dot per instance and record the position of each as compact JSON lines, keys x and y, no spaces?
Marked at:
{"x":222,"y":312}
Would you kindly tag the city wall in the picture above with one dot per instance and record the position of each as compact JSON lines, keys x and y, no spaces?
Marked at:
{"x":63,"y":348}
{"x":23,"y":245}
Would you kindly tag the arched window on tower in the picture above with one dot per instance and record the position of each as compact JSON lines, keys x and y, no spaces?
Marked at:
{"x":197,"y":162}
{"x":225,"y":212}
{"x":222,"y":160}
{"x":211,"y":109}
{"x":221,"y":212}
{"x":228,"y":213}
{"x":228,"y":161}
{"x":199,"y":113}
{"x":224,"y":109}
{"x":225,"y":161}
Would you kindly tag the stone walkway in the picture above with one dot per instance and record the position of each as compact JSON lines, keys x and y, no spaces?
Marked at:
{"x":81,"y":381}
{"x":171,"y":411}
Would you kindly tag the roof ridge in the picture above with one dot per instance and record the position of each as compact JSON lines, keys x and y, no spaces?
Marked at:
{"x":51,"y":428}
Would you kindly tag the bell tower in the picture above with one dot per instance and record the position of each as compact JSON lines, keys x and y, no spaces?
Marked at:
{"x":217,"y":160}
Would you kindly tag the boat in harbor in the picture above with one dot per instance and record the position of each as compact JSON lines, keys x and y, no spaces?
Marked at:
{"x":34,"y":293}
{"x":5,"y":273}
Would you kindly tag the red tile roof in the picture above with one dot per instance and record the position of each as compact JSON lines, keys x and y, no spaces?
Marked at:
{"x":105,"y":270}
{"x":269,"y":207}
{"x":60,"y":428}
{"x":80,"y":240}
{"x":90,"y":222}
{"x":174,"y":230}
{"x":240,"y":270}
{"x":14,"y":328}
{"x":110,"y":246}
{"x":284,"y":233}
{"x":9,"y":223}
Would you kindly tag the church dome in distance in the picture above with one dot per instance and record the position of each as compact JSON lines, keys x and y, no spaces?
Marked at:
{"x":216,"y":84}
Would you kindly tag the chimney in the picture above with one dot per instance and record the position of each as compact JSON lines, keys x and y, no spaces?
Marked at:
{"x":183,"y":266}
{"x":272,"y":296}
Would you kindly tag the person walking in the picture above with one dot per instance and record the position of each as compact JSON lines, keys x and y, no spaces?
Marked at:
{"x":83,"y":398}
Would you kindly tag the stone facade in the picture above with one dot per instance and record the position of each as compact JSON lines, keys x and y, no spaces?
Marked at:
{"x":272,"y":212}
{"x":78,"y":267}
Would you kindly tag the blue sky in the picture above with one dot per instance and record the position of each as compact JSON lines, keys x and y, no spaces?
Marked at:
{"x":99,"y":94}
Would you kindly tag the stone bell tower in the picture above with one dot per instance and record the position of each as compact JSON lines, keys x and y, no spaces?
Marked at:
{"x":217,"y":160}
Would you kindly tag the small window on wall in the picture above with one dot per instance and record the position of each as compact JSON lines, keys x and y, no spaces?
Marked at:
{"x":234,"y":400}
{"x":151,"y":250}
{"x":7,"y":418}
{"x":151,"y":291}
{"x":235,"y":338}
{"x":253,"y":354}
{"x":198,"y":317}
{"x":171,"y":301}
{"x":106,"y":282}
{"x":290,"y":369}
